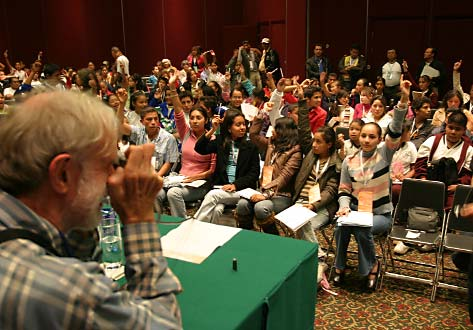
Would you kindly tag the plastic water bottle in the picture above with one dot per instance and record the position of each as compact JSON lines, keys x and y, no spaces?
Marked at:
{"x":110,"y":239}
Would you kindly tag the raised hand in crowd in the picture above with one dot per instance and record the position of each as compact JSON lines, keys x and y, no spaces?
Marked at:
{"x":457,"y":65}
{"x":405,"y":67}
{"x":133,"y":188}
{"x":270,"y":81}
{"x":405,"y":90}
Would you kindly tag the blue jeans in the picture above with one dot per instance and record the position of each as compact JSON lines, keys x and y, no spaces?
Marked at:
{"x":364,"y":238}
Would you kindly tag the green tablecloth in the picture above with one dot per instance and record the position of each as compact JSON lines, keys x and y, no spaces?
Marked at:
{"x":273,"y":288}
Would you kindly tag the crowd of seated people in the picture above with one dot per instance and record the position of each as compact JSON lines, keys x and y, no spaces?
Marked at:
{"x":216,"y":127}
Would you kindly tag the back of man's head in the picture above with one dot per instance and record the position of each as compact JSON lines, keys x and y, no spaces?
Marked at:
{"x":49,"y":69}
{"x":46,"y":125}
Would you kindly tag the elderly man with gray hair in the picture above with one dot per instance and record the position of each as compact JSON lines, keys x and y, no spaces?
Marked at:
{"x":56,"y":164}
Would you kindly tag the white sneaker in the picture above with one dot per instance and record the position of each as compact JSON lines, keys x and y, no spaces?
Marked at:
{"x":401,"y":248}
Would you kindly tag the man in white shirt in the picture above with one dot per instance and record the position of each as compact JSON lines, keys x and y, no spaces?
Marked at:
{"x":391,"y":72}
{"x":121,"y":61}
{"x":9,"y":92}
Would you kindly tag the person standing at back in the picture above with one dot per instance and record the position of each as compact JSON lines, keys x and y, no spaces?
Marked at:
{"x":121,"y":61}
{"x":269,"y":61}
{"x":391,"y":72}
{"x":433,"y":68}
{"x":318,"y":63}
{"x":352,"y":67}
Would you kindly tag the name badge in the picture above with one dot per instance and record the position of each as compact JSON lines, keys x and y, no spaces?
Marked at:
{"x":314,"y":194}
{"x":365,"y":201}
{"x":267,"y":175}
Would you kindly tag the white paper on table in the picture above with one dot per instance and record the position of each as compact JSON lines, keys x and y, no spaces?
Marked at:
{"x":194,"y":184}
{"x":295,"y":216}
{"x":412,"y":234}
{"x":248,"y":192}
{"x":194,"y":240}
{"x":355,"y":218}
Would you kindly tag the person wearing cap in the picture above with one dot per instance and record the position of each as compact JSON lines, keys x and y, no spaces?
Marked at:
{"x":269,"y":60}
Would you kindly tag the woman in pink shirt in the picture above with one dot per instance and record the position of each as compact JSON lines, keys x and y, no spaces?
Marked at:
{"x":363,"y":108}
{"x":194,"y":165}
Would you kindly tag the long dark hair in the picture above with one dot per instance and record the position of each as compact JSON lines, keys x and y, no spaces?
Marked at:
{"x":286,"y":134}
{"x":228,"y":120}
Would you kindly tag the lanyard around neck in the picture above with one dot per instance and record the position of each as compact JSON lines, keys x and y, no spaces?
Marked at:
{"x":365,"y":180}
{"x":317,"y":167}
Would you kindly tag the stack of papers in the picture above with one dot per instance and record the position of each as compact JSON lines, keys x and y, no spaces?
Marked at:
{"x":355,"y":218}
{"x":248,"y":192}
{"x":176,"y":180}
{"x":295,"y":216}
{"x":194,"y":240}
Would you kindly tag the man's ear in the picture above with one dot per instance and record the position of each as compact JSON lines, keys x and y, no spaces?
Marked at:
{"x":60,"y":173}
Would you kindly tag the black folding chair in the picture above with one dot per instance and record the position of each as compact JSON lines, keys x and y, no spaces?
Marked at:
{"x":421,"y":193}
{"x":457,"y":233}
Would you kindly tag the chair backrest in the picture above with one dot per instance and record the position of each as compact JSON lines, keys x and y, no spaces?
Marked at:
{"x":463,"y":195}
{"x":423,"y":193}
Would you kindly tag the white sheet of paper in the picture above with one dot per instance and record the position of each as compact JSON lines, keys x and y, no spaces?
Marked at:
{"x":194,"y":240}
{"x":269,"y":133}
{"x":174,"y":179}
{"x":412,"y":234}
{"x":249,"y":111}
{"x":247,"y":193}
{"x":430,"y":71}
{"x":195,"y":184}
{"x":355,"y":218}
{"x":295,"y":216}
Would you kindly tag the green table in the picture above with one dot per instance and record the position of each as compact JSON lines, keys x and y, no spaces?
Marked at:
{"x":273,"y":288}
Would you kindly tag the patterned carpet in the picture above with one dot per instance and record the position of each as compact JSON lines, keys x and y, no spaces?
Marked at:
{"x":398,"y":305}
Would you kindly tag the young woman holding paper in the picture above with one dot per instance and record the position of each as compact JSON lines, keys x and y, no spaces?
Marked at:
{"x":316,"y":185}
{"x":364,"y":187}
{"x":281,"y":164}
{"x":194,"y":166}
{"x":237,"y":164}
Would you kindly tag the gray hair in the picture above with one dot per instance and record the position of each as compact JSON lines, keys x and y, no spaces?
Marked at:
{"x":46,"y":125}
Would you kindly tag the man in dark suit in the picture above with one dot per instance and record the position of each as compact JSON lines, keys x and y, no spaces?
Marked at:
{"x":434,"y":69}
